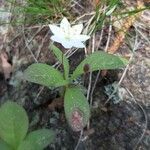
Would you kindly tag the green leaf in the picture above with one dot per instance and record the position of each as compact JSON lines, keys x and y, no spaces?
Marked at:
{"x":13,"y":123}
{"x":4,"y":146}
{"x":45,"y":75}
{"x":99,"y":60}
{"x":38,"y":139}
{"x":77,"y":109}
{"x":26,"y":145}
{"x":62,"y":59}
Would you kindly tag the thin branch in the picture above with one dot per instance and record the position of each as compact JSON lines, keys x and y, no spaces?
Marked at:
{"x":41,"y":45}
{"x":27,"y":46}
{"x":136,"y":44}
{"x":98,"y":74}
{"x":109,"y":36}
{"x":120,"y":81}
{"x":29,"y":41}
{"x":90,"y":76}
{"x":39,"y":93}
{"x":101,"y":36}
{"x":146,"y":120}
{"x":80,"y":139}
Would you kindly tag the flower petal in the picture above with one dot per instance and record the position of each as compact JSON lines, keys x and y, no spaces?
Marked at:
{"x":68,"y":36}
{"x":56,"y":39}
{"x":80,"y":37}
{"x":78,"y":44}
{"x":56,"y":30}
{"x":73,"y":43}
{"x":77,"y":29}
{"x":67,"y":44}
{"x":63,"y":41}
{"x":65,"y":25}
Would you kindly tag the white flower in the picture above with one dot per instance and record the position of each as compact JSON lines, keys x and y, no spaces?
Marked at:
{"x":68,"y":36}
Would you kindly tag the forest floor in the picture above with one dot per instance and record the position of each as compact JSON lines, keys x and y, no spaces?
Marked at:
{"x":120,"y":119}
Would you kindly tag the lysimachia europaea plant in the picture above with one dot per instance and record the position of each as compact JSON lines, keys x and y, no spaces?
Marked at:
{"x":77,"y":110}
{"x":14,"y":134}
{"x":69,"y":36}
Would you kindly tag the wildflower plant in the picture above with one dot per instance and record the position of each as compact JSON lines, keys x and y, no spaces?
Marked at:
{"x":76,"y":106}
{"x":14,"y":125}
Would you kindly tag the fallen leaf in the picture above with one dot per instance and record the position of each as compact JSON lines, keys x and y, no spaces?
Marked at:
{"x":104,"y":109}
{"x":124,"y":26}
{"x":89,"y":132}
{"x":56,"y":103}
{"x":3,"y":87}
{"x":103,"y":73}
{"x":95,"y":3}
{"x":6,"y":66}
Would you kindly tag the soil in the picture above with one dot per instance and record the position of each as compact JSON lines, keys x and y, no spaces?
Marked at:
{"x":115,"y":126}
